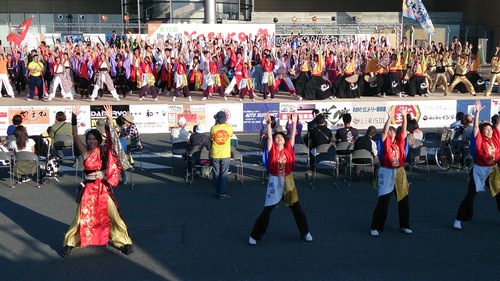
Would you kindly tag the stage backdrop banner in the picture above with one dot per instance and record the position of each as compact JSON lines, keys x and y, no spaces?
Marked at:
{"x":253,"y":115}
{"x":97,"y":112}
{"x":151,"y":118}
{"x":5,"y":120}
{"x":467,"y":107}
{"x":205,"y":32}
{"x":366,"y":114}
{"x":234,"y":113}
{"x":429,"y":114}
{"x":333,"y":112}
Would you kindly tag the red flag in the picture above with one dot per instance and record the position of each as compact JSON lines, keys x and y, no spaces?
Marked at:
{"x":17,"y":35}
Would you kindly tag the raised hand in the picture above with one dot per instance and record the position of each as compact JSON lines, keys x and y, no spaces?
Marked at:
{"x":76,"y":109}
{"x":294,"y":117}
{"x":478,"y":107}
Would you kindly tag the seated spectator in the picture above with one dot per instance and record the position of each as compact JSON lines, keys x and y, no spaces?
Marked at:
{"x":200,"y":138}
{"x":60,"y":127}
{"x":22,"y":143}
{"x":179,"y":134}
{"x":16,"y":121}
{"x":367,"y":142}
{"x":459,"y":120}
{"x":131,"y":133}
{"x":414,"y":138}
{"x":319,"y":135}
{"x":348,"y":133}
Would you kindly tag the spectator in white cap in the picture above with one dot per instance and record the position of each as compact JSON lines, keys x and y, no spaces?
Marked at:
{"x":179,"y":134}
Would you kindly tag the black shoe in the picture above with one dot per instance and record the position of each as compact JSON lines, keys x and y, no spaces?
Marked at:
{"x":224,"y":197}
{"x":67,"y":251}
{"x":127,"y":249}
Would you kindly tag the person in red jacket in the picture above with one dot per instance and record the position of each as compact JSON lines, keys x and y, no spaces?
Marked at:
{"x":268,"y":76}
{"x":148,"y":79}
{"x":180,"y":78}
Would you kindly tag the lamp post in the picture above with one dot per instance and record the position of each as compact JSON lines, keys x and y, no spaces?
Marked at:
{"x":139,"y":17}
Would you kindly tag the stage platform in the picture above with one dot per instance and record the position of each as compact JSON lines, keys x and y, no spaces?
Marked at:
{"x":151,"y":117}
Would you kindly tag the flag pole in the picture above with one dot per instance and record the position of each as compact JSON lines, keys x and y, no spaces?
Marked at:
{"x":401,"y":31}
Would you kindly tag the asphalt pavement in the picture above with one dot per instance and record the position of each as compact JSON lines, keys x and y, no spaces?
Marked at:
{"x":182,"y":232}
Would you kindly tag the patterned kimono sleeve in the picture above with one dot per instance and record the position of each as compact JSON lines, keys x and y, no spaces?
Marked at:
{"x":114,"y":168}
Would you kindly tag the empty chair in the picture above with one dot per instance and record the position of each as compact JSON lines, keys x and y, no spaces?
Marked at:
{"x":360,"y":158}
{"x":63,"y":143}
{"x":237,"y":161}
{"x":302,"y":153}
{"x":325,"y":158}
{"x":343,"y":150}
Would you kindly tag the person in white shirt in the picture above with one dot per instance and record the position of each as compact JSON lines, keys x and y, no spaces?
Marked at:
{"x":22,"y":143}
{"x":179,"y":134}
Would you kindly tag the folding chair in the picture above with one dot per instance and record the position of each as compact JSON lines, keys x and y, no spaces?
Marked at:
{"x":344,"y":150}
{"x":65,"y":144}
{"x":189,"y":155}
{"x":25,"y":163}
{"x":325,"y":158}
{"x":302,"y":153}
{"x":237,"y":161}
{"x":178,"y":148}
{"x":420,"y":152}
{"x":196,"y":158}
{"x":6,"y":162}
{"x":135,"y":148}
{"x":361,"y":158}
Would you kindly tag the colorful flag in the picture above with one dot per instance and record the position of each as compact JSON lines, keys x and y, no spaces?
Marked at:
{"x":415,"y":9}
{"x":17,"y":35}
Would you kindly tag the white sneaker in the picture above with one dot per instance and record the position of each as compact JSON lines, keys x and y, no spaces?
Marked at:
{"x":241,"y":100}
{"x":50,"y":98}
{"x":12,"y":96}
{"x":204,"y":98}
{"x":457,"y":224}
{"x":253,"y":99}
{"x":168,"y":93}
{"x":333,"y":97}
{"x":174,"y":98}
{"x":92,"y":99}
{"x":426,"y":95}
{"x":190,"y":98}
{"x":209,"y":94}
{"x":71,"y":98}
{"x":374,"y":232}
{"x":155,"y":99}
{"x":159,"y":92}
{"x":406,"y":230}
{"x":300,"y":98}
{"x":381,"y":95}
{"x":141,"y":98}
{"x":225,"y":98}
{"x":252,"y":241}
{"x":28,"y":99}
{"x":117,"y":99}
{"x":308,"y":237}
{"x":129,"y":92}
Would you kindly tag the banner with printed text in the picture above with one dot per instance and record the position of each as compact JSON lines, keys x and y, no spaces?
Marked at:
{"x":234,"y":114}
{"x":253,"y":115}
{"x":206,"y":32}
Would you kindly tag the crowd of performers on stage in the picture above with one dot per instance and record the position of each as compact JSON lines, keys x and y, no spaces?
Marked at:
{"x":307,"y":69}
